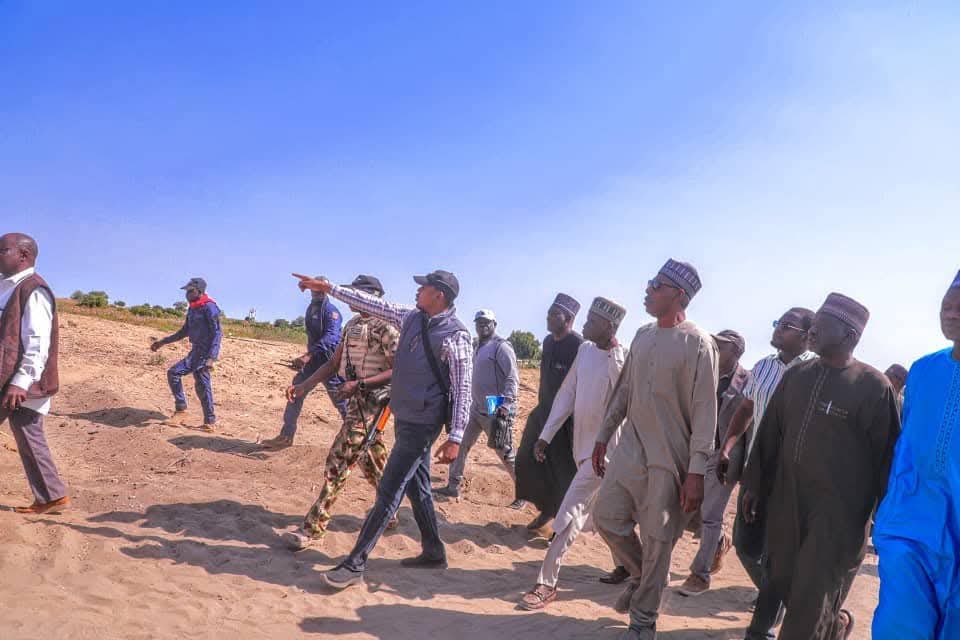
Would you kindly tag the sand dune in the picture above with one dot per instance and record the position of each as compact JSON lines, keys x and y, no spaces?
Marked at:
{"x":174,"y":532}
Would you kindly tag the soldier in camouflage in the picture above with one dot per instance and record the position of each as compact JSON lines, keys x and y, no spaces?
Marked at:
{"x":364,"y":360}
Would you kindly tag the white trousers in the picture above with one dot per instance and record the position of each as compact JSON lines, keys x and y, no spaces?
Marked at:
{"x":572,"y":518}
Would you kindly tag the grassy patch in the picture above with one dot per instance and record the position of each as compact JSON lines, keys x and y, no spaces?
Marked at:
{"x":231,"y":328}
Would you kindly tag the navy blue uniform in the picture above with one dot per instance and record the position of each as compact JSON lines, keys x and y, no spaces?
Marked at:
{"x":202,"y":327}
{"x":324,"y":325}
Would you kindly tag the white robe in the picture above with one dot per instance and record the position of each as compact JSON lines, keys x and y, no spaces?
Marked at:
{"x":584,"y":395}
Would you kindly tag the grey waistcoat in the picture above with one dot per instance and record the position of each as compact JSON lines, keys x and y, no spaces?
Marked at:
{"x":416,"y":396}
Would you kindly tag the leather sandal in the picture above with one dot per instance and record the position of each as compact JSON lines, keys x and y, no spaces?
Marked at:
{"x":538,"y":597}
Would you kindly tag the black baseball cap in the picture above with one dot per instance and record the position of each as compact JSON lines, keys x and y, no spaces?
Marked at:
{"x":367,"y":284}
{"x":196,"y":283}
{"x":443,"y":280}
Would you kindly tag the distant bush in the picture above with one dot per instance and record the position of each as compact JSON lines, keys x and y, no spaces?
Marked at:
{"x":77,"y":295}
{"x":180,"y":307}
{"x":525,"y":345}
{"x":119,"y":303}
{"x":95,"y":299}
{"x":280,"y":323}
{"x":299,"y":322}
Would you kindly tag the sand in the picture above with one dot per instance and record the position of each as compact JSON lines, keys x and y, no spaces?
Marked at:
{"x":173,"y":532}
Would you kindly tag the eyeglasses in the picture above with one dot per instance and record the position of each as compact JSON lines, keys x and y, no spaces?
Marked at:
{"x":787,"y":325}
{"x":656,"y":284}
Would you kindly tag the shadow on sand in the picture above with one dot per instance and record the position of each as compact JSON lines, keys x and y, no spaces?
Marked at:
{"x":118,"y":417}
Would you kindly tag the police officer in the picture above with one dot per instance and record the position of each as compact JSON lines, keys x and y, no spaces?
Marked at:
{"x":323,"y":322}
{"x":203,"y":328}
{"x":364,"y":360}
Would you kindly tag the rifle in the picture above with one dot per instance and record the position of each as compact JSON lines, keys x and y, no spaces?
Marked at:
{"x":380,"y":421}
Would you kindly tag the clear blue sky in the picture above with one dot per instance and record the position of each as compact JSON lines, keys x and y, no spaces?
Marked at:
{"x":528,"y":147}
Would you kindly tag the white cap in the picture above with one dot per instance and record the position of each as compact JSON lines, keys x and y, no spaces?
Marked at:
{"x":485,"y":314}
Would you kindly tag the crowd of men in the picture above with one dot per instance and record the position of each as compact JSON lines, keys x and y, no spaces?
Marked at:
{"x":637,"y":444}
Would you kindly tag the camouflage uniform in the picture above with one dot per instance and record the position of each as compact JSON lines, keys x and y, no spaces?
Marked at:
{"x":369,"y":347}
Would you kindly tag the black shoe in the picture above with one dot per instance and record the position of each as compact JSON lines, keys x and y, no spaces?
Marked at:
{"x":447,"y":492}
{"x":617,"y":576}
{"x":424,"y":562}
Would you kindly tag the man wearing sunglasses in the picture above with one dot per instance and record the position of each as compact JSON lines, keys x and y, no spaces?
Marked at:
{"x":667,"y":394}
{"x":790,"y":336}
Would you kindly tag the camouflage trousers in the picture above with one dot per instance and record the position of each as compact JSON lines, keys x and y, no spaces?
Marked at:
{"x":344,"y":454}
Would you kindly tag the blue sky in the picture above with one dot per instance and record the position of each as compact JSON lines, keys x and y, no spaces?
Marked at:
{"x":528,"y":147}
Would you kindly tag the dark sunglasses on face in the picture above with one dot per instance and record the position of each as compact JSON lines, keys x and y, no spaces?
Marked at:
{"x":656,"y":284}
{"x":787,"y":325}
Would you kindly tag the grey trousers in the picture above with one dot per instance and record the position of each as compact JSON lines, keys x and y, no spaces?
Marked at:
{"x":27,"y":427}
{"x":477,"y":424}
{"x":639,"y":497}
{"x":715,"y":499}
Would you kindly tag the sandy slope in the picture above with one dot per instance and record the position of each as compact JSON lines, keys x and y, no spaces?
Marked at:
{"x":173,"y":534}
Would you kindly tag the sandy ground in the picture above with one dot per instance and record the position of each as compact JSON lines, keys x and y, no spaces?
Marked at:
{"x":173,"y":533}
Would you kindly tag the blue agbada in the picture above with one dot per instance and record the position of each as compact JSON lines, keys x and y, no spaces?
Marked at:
{"x":917,"y":532}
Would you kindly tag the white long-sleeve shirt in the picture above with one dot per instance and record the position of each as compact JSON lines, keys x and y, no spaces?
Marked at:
{"x":584,"y":395}
{"x":36,"y":329}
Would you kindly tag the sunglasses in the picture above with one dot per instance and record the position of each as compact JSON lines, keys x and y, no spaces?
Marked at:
{"x":656,"y":284}
{"x":787,"y":325}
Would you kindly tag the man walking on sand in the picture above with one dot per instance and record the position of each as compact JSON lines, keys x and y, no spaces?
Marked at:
{"x":28,"y":367}
{"x":819,"y":465}
{"x":202,"y":327}
{"x":584,"y":395}
{"x":430,"y":388}
{"x":323,"y":323}
{"x":667,"y":394}
{"x":364,"y":361}
{"x":494,"y":374}
{"x":545,"y":483}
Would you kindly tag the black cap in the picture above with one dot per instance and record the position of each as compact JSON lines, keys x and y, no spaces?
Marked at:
{"x":196,"y":283}
{"x":443,"y":280}
{"x":367,"y":284}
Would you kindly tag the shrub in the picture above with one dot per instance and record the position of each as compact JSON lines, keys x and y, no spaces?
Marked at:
{"x":77,"y":295}
{"x":280,"y":323}
{"x":525,"y":345}
{"x":120,"y":303}
{"x":95,"y":299}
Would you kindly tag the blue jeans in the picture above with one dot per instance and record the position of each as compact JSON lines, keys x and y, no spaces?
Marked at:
{"x":204,"y":386}
{"x":407,"y":472}
{"x":292,"y":413}
{"x":749,"y":538}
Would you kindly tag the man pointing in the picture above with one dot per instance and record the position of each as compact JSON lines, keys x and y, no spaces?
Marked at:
{"x":430,"y":388}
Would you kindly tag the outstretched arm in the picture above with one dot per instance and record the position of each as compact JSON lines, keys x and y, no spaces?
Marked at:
{"x":365,"y":302}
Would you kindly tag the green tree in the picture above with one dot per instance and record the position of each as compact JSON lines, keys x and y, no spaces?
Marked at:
{"x":119,"y":303}
{"x":280,"y":323}
{"x":525,"y":345}
{"x":95,"y":299}
{"x":299,"y":322}
{"x":77,"y":295}
{"x":180,"y":307}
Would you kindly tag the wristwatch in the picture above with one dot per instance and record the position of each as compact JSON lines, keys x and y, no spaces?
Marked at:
{"x":362,"y":386}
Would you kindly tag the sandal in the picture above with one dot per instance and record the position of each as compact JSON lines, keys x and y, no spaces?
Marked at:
{"x":538,"y":597}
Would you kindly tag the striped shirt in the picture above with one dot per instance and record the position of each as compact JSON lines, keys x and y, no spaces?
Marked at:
{"x":456,"y":350}
{"x":764,"y":378}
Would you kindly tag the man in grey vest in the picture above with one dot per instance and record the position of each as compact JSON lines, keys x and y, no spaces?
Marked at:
{"x":494,"y":374}
{"x":430,"y":388}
